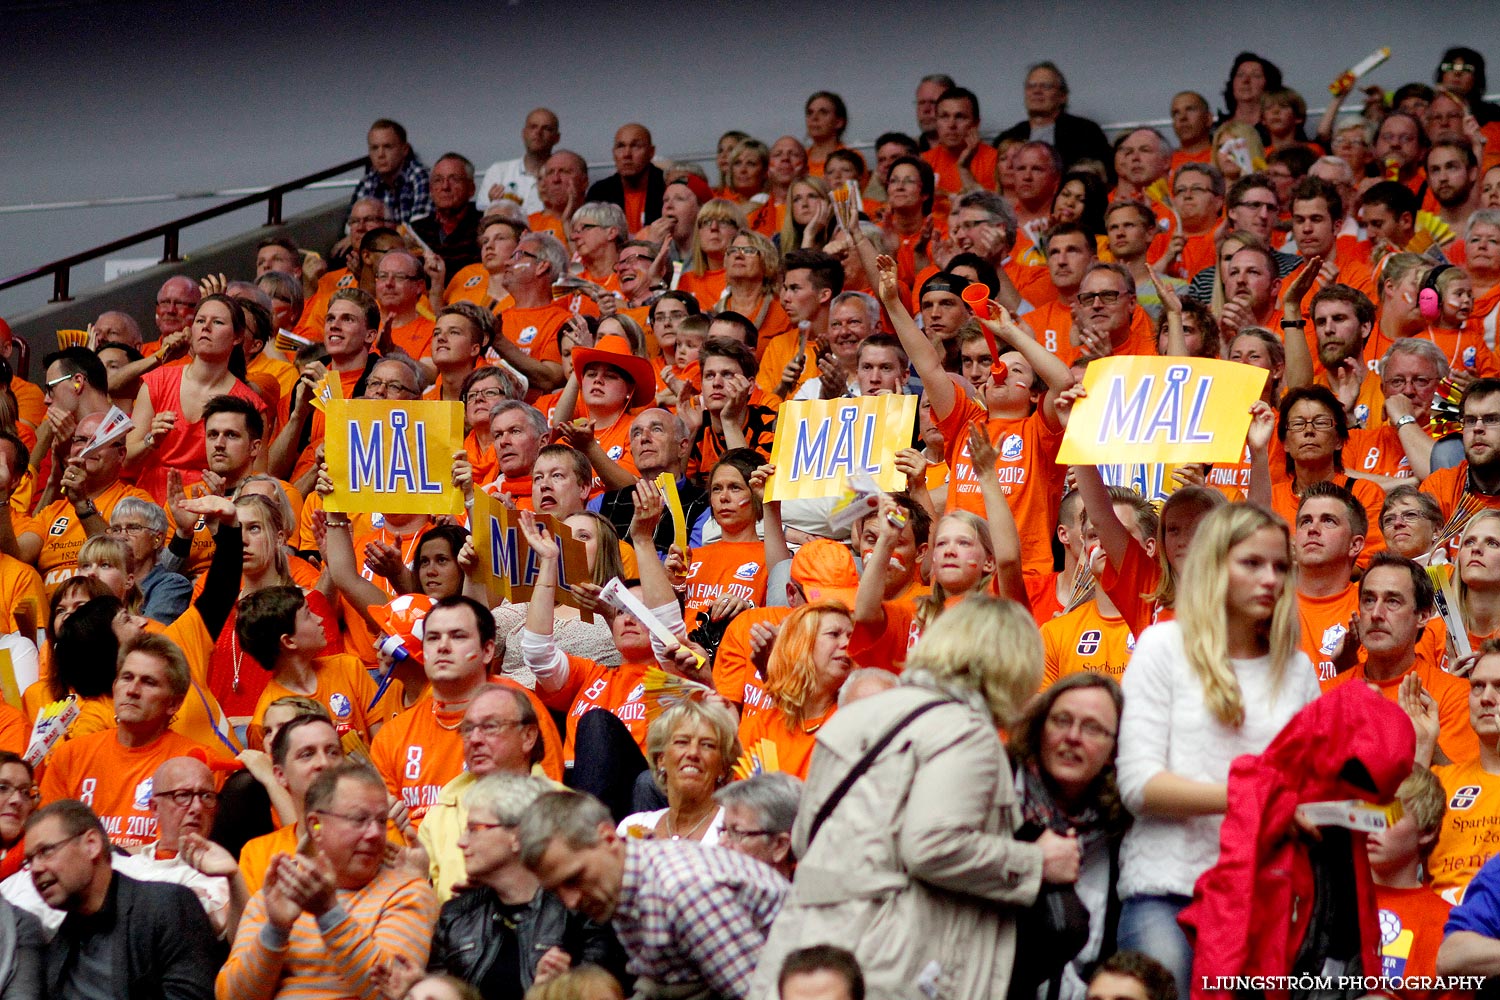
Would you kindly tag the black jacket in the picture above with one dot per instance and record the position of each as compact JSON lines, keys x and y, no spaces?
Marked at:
{"x":164,"y":946}
{"x":619,"y":506}
{"x":470,"y":930}
{"x":612,"y":190}
{"x":1074,"y":139}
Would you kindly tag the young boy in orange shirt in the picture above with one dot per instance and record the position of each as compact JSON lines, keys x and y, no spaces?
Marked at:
{"x":1411,"y":914}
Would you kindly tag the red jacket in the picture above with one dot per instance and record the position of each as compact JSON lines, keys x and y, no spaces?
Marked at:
{"x":1250,"y":911}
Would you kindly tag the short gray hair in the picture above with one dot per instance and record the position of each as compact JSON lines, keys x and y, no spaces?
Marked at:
{"x":1482,"y":217}
{"x":773,"y":796}
{"x":573,"y":816}
{"x":606,"y":214}
{"x":1417,"y":347}
{"x":506,"y":796}
{"x":249,"y":290}
{"x":409,"y":363}
{"x":537,"y":420}
{"x":861,"y":674}
{"x":275,"y":283}
{"x":550,"y":249}
{"x":993,"y":205}
{"x":154,"y":516}
{"x":279,"y":498}
{"x":1214,"y":174}
{"x":865,"y":299}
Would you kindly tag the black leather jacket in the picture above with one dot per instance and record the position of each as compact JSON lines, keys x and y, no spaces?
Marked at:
{"x":470,"y":931}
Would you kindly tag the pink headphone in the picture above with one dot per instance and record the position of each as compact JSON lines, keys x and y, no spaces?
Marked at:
{"x":1429,"y":302}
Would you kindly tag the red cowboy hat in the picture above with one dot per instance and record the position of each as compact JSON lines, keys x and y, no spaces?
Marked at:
{"x":615,"y":351}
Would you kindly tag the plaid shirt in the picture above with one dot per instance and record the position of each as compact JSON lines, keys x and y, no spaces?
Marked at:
{"x":408,"y":199}
{"x":695,"y":914}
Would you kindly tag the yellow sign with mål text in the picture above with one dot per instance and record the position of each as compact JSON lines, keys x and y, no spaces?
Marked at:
{"x":389,"y":457}
{"x":821,"y":442}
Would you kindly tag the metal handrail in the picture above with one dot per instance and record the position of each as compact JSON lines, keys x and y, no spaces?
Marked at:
{"x":169,"y":232}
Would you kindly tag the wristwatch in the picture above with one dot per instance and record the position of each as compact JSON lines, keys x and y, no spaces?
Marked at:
{"x":1401,"y":422}
{"x":85,"y":509}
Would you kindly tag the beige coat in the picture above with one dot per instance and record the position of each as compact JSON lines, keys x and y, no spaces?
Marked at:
{"x":915,"y":871}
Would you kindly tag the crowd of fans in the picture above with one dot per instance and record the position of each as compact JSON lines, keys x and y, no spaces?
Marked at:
{"x":302,"y":755}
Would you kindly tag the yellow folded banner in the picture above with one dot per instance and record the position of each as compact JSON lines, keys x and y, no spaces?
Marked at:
{"x":331,"y":387}
{"x":1152,"y":480}
{"x":667,"y":483}
{"x":390,"y":457}
{"x":506,"y":562}
{"x":820,"y":442}
{"x":1143,"y":409}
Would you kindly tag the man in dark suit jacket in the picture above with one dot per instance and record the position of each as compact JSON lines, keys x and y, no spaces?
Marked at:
{"x":637,"y":184}
{"x":121,"y":938}
{"x":1047,"y":120}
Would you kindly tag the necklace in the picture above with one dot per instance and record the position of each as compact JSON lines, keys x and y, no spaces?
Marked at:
{"x":688,"y":833}
{"x":235,"y":656}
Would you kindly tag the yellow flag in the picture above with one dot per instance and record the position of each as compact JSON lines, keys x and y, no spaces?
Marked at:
{"x":1145,"y":409}
{"x":393,"y":457}
{"x":821,"y":442}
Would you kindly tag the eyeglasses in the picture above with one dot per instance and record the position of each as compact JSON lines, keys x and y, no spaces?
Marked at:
{"x":717,"y":224}
{"x":1397,"y":518}
{"x":1106,"y":298}
{"x":491,"y":393}
{"x":1421,"y":383}
{"x":636,"y":258}
{"x":382,"y":385}
{"x":518,"y":252}
{"x":46,"y":854}
{"x":362,"y":821}
{"x":736,"y":834}
{"x":1194,"y":189}
{"x":584,"y":227}
{"x":61,"y":379}
{"x":1061,"y":723}
{"x":488,"y":728}
{"x":1456,"y":66}
{"x":1471,"y":420}
{"x":1259,"y":206}
{"x":1316,"y":423}
{"x":472,"y":827}
{"x":184,"y":797}
{"x":7,"y":790}
{"x":742,"y":252}
{"x":176,"y":304}
{"x":128,"y":529}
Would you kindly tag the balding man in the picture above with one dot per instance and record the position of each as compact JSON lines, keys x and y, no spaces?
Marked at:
{"x":659,"y":442}
{"x":184,"y":800}
{"x":518,"y":179}
{"x":565,"y":178}
{"x":115,"y":327}
{"x":400,"y":284}
{"x":1192,"y":123}
{"x":637,"y":184}
{"x":501,"y":735}
{"x":1141,"y":160}
{"x":453,"y":227}
{"x":176,"y":301}
{"x":1047,"y":119}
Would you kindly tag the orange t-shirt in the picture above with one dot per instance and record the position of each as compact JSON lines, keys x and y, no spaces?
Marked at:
{"x":1447,"y":486}
{"x":344,"y":688}
{"x":546,"y":222}
{"x":735,"y":676}
{"x":1354,"y":273}
{"x":1369,"y":406}
{"x":20,"y":590}
{"x":707,"y":287}
{"x":1451,"y":693}
{"x":592,"y":685}
{"x":1378,"y":451}
{"x":534,"y":330}
{"x":1052,"y":326}
{"x":481,"y":453}
{"x":1033,"y":281}
{"x":415,"y":338}
{"x":1483,"y":317}
{"x":15,"y":732}
{"x":1464,"y":348}
{"x":1041,"y":597}
{"x":286,"y":380}
{"x":778,"y":355}
{"x":417,"y":753}
{"x":256,"y":854}
{"x":1028,"y":472}
{"x":724,"y":568}
{"x":1085,"y":639}
{"x":1179,"y":157}
{"x":62,"y":532}
{"x":115,"y":780}
{"x":1324,"y":622}
{"x":1128,"y":585}
{"x":794,"y":748}
{"x":1471,"y":828}
{"x":1411,"y":926}
{"x":945,"y":165}
{"x":635,"y":205}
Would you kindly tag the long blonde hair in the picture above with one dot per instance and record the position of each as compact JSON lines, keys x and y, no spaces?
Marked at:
{"x":932,"y":604}
{"x":1203,"y":595}
{"x":1463,"y":586}
{"x":987,"y":645}
{"x":791,"y":232}
{"x":1203,"y":497}
{"x":721,"y":210}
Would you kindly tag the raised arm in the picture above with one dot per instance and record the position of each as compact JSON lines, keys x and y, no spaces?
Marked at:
{"x":1299,"y":362}
{"x":221,"y":585}
{"x":1003,"y":535}
{"x":926,"y":358}
{"x":1172,"y":305}
{"x":1114,"y":538}
{"x":339,"y":557}
{"x":1046,"y":364}
{"x":771,"y":529}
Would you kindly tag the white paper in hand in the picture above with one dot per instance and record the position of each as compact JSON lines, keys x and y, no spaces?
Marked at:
{"x":116,"y":424}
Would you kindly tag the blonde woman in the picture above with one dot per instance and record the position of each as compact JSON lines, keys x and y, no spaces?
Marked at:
{"x":915,"y":868}
{"x":1238,"y":151}
{"x":1219,"y":681}
{"x":719,"y":222}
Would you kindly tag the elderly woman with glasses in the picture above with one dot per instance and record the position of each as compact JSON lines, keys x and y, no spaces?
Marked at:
{"x":143,"y":527}
{"x":505,"y":933}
